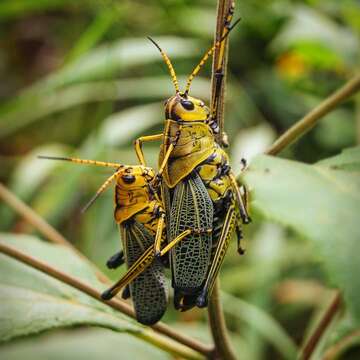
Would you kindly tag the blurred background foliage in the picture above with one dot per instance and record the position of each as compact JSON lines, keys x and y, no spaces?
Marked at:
{"x":81,"y":79}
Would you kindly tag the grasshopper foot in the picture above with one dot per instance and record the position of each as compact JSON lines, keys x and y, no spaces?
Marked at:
{"x":107,"y":295}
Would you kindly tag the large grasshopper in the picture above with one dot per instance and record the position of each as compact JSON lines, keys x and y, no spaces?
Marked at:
{"x":141,"y":218}
{"x":199,"y":189}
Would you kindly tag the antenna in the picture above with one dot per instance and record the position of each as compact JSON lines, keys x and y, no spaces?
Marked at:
{"x":206,"y":56}
{"x":101,"y":189}
{"x":169,"y":65}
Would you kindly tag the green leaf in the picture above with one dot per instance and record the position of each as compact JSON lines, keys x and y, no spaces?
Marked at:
{"x":83,"y":344}
{"x":14,"y":8}
{"x":262,"y":322}
{"x":58,"y":92}
{"x":312,"y":27}
{"x":322,"y":203}
{"x":33,"y":302}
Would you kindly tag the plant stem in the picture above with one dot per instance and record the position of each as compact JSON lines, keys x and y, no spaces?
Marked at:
{"x":54,"y":236}
{"x":34,"y":219}
{"x":42,"y":226}
{"x":320,"y":329}
{"x":114,"y":303}
{"x":309,"y":120}
{"x":337,"y":349}
{"x":357,"y":118}
{"x":223,"y":348}
{"x":219,"y":332}
{"x":222,"y":10}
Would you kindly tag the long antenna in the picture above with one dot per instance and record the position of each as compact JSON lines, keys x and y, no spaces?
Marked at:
{"x":169,"y":65}
{"x":102,"y":188}
{"x":81,"y":161}
{"x":206,"y":56}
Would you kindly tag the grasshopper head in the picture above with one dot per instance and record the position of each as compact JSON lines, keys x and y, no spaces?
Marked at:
{"x":182,"y":107}
{"x":135,"y":177}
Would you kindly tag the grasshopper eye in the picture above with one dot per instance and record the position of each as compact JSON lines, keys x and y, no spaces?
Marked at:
{"x":128,"y":179}
{"x":188,"y":105}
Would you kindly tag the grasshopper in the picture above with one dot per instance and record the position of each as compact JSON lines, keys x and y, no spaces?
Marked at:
{"x":141,"y":218}
{"x":198,"y":187}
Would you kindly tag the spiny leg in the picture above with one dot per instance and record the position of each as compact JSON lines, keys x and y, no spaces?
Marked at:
{"x":116,"y":260}
{"x":239,"y":198}
{"x":165,"y":160}
{"x":221,"y":247}
{"x":141,"y":264}
{"x":239,"y":237}
{"x":180,"y":237}
{"x":135,"y":270}
{"x":138,"y":146}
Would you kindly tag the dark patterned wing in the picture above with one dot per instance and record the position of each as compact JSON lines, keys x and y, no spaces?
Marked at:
{"x":191,"y":208}
{"x":149,"y":290}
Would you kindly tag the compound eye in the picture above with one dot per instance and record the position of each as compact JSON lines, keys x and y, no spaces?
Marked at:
{"x":188,"y":105}
{"x":128,"y":179}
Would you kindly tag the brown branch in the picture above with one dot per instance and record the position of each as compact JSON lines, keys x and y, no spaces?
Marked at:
{"x":114,"y":303}
{"x":54,"y":236}
{"x":357,"y":118}
{"x":308,"y":121}
{"x":219,"y":332}
{"x":223,"y":348}
{"x":34,"y":219}
{"x":221,"y":11}
{"x":42,"y":226}
{"x":321,"y":327}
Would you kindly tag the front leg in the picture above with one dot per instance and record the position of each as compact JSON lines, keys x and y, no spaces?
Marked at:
{"x":138,"y":146}
{"x":164,"y":163}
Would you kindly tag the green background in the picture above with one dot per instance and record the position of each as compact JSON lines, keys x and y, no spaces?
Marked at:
{"x":81,"y":79}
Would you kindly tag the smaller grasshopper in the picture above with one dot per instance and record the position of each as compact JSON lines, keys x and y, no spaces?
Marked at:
{"x":141,"y":218}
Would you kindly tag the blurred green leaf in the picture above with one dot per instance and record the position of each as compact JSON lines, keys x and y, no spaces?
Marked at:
{"x":102,"y":22}
{"x":310,"y":26}
{"x":262,"y":322}
{"x":12,"y":8}
{"x":321,"y":202}
{"x":337,"y":130}
{"x":106,"y":61}
{"x":32,"y":302}
{"x":97,"y":91}
{"x":110,"y":59}
{"x":28,"y":176}
{"x":344,"y":328}
{"x":81,"y":344}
